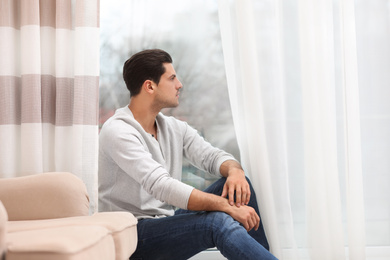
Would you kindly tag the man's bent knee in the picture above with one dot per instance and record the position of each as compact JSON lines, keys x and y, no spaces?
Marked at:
{"x":222,"y":223}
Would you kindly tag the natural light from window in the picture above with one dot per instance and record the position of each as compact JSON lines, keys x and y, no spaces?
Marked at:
{"x":189,"y":31}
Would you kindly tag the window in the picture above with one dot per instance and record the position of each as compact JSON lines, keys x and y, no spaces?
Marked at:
{"x":189,"y":31}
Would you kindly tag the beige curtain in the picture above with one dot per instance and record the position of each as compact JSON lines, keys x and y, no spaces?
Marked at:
{"x":49,"y":81}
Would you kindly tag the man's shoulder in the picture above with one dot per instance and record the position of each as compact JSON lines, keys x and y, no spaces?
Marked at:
{"x":121,"y":121}
{"x":172,"y":125}
{"x":170,"y":120}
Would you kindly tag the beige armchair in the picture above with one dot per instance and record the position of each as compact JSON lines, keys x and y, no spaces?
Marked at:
{"x":3,"y":231}
{"x":45,"y":216}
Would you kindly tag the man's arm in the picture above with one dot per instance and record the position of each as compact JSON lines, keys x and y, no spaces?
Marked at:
{"x":202,"y":201}
{"x":235,"y":182}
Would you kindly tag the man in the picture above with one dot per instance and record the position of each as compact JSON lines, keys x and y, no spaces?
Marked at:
{"x":140,"y":162}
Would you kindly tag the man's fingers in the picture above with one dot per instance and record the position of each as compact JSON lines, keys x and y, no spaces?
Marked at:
{"x":231,"y":196}
{"x":248,"y":196}
{"x":238,"y":196}
{"x":224,"y":191}
{"x":247,"y":216}
{"x":253,"y":222}
{"x":244,"y":198}
{"x":257,"y":224}
{"x":246,"y":226}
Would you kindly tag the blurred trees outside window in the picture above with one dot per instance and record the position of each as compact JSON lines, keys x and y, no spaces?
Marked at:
{"x":189,"y":31}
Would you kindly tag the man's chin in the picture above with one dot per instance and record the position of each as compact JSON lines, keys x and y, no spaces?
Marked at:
{"x":175,"y":105}
{"x":172,"y":105}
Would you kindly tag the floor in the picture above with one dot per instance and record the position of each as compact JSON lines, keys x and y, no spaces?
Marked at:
{"x":210,"y":254}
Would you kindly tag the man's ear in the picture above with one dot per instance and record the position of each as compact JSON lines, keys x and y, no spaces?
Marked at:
{"x":148,"y":86}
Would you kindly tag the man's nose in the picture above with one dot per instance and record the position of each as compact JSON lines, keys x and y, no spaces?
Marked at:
{"x":179,"y":84}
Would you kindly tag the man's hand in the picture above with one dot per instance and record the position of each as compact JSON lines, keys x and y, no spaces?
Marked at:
{"x":202,"y":201}
{"x":236,"y":183}
{"x":246,"y":215}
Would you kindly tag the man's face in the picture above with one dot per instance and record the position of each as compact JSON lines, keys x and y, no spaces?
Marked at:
{"x":168,"y":89}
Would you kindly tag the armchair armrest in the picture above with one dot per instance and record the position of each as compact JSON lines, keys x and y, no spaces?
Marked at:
{"x":44,"y":196}
{"x":3,"y":229}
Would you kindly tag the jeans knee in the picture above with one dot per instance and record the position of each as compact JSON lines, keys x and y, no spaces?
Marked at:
{"x":218,"y":216}
{"x":222,"y":223}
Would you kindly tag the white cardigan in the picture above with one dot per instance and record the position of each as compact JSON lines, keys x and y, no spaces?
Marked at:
{"x":141,"y":175}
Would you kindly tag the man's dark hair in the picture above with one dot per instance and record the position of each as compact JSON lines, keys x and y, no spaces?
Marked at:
{"x":144,"y":65}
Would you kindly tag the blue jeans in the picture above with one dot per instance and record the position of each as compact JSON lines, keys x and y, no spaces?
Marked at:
{"x":188,"y":232}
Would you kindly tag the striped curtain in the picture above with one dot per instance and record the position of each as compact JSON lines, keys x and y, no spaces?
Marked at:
{"x":49,"y":82}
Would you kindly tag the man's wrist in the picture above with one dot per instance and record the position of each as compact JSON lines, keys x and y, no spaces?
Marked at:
{"x":224,"y":206}
{"x":236,"y":171}
{"x":230,"y":167}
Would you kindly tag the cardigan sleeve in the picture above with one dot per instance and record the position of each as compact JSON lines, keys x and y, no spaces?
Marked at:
{"x":202,"y":154}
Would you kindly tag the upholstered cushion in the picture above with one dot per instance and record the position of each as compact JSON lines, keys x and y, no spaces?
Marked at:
{"x":121,"y":225}
{"x":3,"y":228}
{"x":61,"y":243}
{"x":43,"y":196}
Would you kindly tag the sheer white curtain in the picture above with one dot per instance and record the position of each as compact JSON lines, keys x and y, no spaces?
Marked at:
{"x":307,"y":82}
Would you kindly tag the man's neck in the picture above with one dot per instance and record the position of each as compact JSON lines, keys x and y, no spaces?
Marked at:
{"x":145,"y":117}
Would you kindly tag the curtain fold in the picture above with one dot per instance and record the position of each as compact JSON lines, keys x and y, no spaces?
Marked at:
{"x":250,"y":119}
{"x":353,"y":146}
{"x":49,"y":82}
{"x":306,"y":84}
{"x":323,"y":200}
